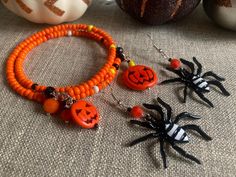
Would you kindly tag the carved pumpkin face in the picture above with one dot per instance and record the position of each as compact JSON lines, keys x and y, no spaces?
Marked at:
{"x":85,"y":114}
{"x":48,"y":11}
{"x":139,"y":77}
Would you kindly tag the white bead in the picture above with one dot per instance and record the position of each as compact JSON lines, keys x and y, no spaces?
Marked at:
{"x":96,"y":89}
{"x":69,"y":33}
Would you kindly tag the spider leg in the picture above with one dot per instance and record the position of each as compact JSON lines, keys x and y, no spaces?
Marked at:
{"x":144,"y":138}
{"x":162,"y":151}
{"x":184,"y":153}
{"x":220,"y":86}
{"x":199,"y":69}
{"x":188,"y":63}
{"x":171,"y":81}
{"x":204,"y":98}
{"x":185,"y":115}
{"x":142,"y":124}
{"x":168,"y":108}
{"x":152,"y":121}
{"x":210,"y":73}
{"x":185,"y":93}
{"x":155,"y":107}
{"x":198,"y":130}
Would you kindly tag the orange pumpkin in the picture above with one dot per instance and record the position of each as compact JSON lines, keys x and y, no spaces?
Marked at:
{"x":85,"y":114}
{"x":139,"y":77}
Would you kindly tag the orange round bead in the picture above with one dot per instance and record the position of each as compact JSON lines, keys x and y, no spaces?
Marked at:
{"x":66,"y":115}
{"x":51,"y":106}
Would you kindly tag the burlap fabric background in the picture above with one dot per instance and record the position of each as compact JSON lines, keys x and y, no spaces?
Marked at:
{"x":32,"y":144}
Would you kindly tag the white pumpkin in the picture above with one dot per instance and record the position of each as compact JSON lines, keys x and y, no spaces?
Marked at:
{"x":48,"y":11}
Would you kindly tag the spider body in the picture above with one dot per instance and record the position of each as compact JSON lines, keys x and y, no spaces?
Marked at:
{"x":176,"y":133}
{"x":167,"y":130}
{"x":196,"y":81}
{"x":200,"y":83}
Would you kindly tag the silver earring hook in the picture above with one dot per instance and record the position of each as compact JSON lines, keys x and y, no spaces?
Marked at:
{"x":158,"y":49}
{"x":118,"y":101}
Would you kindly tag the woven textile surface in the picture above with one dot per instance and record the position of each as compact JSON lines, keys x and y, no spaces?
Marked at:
{"x":32,"y":144}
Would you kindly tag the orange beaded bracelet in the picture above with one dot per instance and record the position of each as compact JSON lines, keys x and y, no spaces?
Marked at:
{"x":65,"y":100}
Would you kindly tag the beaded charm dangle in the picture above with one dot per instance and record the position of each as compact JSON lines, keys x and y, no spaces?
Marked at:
{"x":193,"y":78}
{"x":137,"y":77}
{"x":81,"y":112}
{"x":163,"y":126}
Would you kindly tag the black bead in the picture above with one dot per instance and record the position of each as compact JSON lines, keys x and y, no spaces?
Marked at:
{"x":129,"y":109}
{"x":102,"y":40}
{"x":33,"y":87}
{"x":119,"y":50}
{"x":116,"y":66}
{"x":120,"y":53}
{"x":121,"y":56}
{"x":49,"y":92}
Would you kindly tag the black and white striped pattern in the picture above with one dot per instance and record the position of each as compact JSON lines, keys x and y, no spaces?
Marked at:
{"x":176,"y":132}
{"x":201,"y":83}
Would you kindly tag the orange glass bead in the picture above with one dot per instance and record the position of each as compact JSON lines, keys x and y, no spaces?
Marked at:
{"x":137,"y":112}
{"x":66,"y":115}
{"x":175,"y":63}
{"x":51,"y":106}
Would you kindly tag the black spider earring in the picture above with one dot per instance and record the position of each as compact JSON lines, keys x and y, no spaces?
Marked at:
{"x":163,"y":127}
{"x":191,"y":78}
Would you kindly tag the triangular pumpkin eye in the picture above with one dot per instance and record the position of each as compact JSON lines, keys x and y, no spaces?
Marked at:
{"x":141,"y":75}
{"x":78,"y":111}
{"x":87,"y":105}
{"x":131,"y":72}
{"x":87,"y":112}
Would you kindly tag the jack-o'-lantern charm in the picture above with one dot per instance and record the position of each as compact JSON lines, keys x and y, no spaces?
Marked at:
{"x":136,"y":77}
{"x":48,"y":11}
{"x":85,"y":114}
{"x":139,"y":77}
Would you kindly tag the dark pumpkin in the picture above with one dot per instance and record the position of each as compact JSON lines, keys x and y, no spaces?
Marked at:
{"x":156,"y":12}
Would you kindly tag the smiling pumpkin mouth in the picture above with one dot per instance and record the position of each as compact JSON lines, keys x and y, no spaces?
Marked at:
{"x":91,"y":120}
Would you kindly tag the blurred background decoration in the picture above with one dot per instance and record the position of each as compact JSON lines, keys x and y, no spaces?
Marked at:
{"x":48,"y":11}
{"x":156,"y":12}
{"x":223,"y":12}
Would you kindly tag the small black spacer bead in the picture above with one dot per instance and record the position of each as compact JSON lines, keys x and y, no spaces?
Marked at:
{"x":121,"y":56}
{"x":169,"y":59}
{"x":102,"y":40}
{"x":120,"y":53}
{"x":119,"y":50}
{"x":49,"y":92}
{"x":96,"y":126}
{"x":116,"y":66}
{"x":129,"y":109}
{"x":33,"y":87}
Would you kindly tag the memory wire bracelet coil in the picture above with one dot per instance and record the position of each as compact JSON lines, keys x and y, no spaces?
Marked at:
{"x":19,"y":82}
{"x":27,"y":88}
